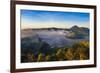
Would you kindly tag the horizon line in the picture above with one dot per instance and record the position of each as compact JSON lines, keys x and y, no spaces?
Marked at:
{"x":55,"y":27}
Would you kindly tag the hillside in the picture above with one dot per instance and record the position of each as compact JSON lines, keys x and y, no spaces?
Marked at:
{"x":48,"y":40}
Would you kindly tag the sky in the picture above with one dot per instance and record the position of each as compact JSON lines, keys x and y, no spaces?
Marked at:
{"x":47,"y":19}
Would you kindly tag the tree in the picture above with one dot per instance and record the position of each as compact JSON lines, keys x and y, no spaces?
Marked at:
{"x":30,"y":57}
{"x":80,"y":54}
{"x":81,"y":50}
{"x":40,"y":57}
{"x":47,"y":58}
{"x":60,"y":54}
{"x":69,"y":54}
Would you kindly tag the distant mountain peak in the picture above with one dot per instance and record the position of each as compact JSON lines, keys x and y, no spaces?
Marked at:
{"x":75,"y":27}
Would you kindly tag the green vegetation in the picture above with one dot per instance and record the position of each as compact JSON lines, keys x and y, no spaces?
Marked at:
{"x":79,"y":51}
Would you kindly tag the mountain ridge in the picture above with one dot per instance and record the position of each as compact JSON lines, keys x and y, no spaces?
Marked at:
{"x":55,"y":28}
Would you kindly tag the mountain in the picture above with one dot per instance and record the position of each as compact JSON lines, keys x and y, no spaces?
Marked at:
{"x":79,"y":32}
{"x":80,"y":29}
{"x":74,"y":28}
{"x":43,"y":39}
